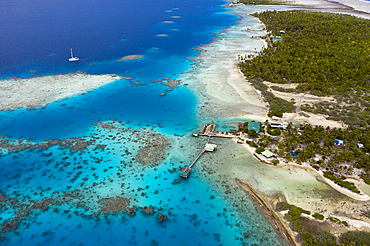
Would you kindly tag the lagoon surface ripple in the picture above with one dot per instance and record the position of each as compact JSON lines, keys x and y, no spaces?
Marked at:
{"x":36,"y":40}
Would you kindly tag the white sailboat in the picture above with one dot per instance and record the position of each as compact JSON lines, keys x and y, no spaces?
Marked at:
{"x":72,"y":59}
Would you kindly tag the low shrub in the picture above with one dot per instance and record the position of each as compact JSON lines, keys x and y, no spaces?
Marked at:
{"x":367,"y":180}
{"x":259,"y":150}
{"x":281,"y":206}
{"x":252,"y":144}
{"x":340,"y":182}
{"x":318,"y":216}
{"x":333,"y":219}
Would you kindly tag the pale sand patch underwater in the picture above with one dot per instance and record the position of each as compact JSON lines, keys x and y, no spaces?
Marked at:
{"x":40,"y":91}
{"x":130,"y":57}
{"x":215,"y":79}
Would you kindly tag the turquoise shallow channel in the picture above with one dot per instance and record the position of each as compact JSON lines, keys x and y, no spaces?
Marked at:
{"x":85,"y":170}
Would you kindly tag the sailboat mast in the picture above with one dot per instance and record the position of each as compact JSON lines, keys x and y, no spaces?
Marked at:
{"x":71,"y":53}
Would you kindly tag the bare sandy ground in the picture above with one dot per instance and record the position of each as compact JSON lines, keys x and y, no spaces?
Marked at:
{"x":301,"y":99}
{"x":40,"y":91}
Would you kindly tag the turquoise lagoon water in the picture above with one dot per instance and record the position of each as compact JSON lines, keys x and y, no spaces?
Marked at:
{"x":38,"y":37}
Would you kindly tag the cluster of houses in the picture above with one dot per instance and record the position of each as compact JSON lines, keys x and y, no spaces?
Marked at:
{"x":235,"y":3}
{"x":251,"y":126}
{"x":267,"y":153}
{"x":256,"y":126}
{"x":339,"y":142}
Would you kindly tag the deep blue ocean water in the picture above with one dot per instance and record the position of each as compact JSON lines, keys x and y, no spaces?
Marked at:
{"x":37,"y":36}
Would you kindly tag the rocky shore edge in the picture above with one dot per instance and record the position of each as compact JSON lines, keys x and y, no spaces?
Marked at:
{"x":267,"y":210}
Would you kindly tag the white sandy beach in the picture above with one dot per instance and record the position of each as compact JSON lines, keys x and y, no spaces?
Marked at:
{"x":40,"y":91}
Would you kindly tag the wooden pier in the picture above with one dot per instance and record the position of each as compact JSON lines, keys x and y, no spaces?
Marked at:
{"x":185,"y":172}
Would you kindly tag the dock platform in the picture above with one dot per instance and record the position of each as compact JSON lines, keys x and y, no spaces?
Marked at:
{"x":185,"y":172}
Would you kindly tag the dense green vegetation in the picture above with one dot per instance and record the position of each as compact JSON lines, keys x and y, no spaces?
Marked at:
{"x":273,"y":131}
{"x":356,"y":238}
{"x":326,"y":53}
{"x":260,"y":149}
{"x":252,"y":144}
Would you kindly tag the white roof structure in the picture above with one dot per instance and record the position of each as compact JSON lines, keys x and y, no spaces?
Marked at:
{"x":210,"y":147}
{"x":268,"y":154}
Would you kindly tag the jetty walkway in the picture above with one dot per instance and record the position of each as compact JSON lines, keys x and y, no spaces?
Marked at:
{"x":197,"y":158}
{"x":185,"y":172}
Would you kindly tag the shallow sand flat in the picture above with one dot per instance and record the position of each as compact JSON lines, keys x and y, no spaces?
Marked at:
{"x":215,"y":79}
{"x":40,"y":91}
{"x":299,"y":185}
{"x":352,"y":7}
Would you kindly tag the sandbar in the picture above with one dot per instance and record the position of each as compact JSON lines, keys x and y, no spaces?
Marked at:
{"x":352,"y":7}
{"x":39,"y":91}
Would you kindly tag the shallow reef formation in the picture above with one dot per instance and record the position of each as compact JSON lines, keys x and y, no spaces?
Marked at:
{"x":172,"y":83}
{"x":82,"y":160}
{"x":154,"y":151}
{"x":73,"y":144}
{"x":22,"y":206}
{"x":78,"y":202}
{"x":114,"y":204}
{"x":148,"y":210}
{"x":161,"y":217}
